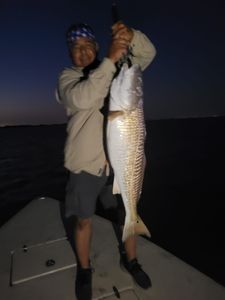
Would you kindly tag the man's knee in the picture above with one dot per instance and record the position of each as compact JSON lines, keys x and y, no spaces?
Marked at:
{"x":83,"y":223}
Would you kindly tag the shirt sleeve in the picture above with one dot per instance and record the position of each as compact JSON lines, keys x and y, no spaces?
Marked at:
{"x":143,"y":51}
{"x":81,"y":95}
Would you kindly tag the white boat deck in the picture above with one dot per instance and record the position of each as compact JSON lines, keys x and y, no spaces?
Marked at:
{"x":25,"y":276}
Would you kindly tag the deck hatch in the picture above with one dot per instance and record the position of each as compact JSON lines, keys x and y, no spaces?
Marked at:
{"x":31,"y":262}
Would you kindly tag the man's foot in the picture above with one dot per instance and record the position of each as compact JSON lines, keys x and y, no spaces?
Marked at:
{"x":135,"y":269}
{"x":84,"y":284}
{"x":139,"y":276}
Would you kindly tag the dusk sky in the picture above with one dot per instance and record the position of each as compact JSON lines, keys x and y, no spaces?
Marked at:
{"x":186,"y":78}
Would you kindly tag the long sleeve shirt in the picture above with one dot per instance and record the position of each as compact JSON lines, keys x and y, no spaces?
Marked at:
{"x":84,"y":149}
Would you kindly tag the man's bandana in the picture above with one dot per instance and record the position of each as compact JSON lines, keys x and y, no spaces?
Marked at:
{"x":79,"y":31}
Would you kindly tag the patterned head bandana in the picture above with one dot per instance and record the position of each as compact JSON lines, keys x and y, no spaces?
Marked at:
{"x":79,"y":30}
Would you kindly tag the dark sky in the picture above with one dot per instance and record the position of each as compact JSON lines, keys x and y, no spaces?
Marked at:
{"x":186,"y":78}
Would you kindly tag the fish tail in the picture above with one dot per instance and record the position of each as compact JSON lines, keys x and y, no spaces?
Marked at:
{"x":133,"y":228}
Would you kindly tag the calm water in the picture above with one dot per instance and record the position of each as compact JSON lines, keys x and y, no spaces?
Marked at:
{"x":184,"y":186}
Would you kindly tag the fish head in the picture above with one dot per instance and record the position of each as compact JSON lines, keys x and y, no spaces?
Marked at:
{"x":127,"y":88}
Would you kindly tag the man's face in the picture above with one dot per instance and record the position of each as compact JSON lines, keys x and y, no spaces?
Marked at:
{"x":83,"y":52}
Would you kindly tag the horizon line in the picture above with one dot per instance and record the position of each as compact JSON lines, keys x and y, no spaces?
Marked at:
{"x":149,"y":119}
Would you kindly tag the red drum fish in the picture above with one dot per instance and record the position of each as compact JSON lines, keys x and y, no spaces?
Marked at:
{"x":125,"y":144}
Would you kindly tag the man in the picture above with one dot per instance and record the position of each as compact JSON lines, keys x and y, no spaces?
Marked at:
{"x":82,"y":89}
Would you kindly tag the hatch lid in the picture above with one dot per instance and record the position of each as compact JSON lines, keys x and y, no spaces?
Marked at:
{"x":31,"y":262}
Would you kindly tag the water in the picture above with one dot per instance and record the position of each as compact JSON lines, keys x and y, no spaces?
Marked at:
{"x":183,"y":193}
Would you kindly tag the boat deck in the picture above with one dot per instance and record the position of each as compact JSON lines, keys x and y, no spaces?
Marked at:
{"x":37,"y":262}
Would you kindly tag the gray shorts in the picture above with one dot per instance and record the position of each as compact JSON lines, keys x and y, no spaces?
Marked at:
{"x":82,"y":192}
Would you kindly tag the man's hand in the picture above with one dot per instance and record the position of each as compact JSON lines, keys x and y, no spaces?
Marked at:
{"x":117,"y":49}
{"x":120,"y":30}
{"x":121,"y":38}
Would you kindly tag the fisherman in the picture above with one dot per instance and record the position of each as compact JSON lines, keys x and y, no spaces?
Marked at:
{"x":82,"y":89}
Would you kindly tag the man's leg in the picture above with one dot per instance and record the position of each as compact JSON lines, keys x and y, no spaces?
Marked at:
{"x":128,"y":252}
{"x":83,"y":234}
{"x":130,"y":246}
{"x":130,"y":262}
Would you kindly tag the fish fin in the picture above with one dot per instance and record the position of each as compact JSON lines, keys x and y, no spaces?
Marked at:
{"x":134,"y":227}
{"x":116,"y":188}
{"x":113,"y":114}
